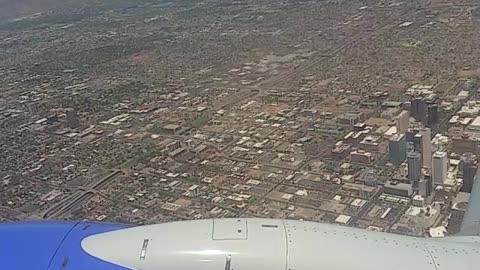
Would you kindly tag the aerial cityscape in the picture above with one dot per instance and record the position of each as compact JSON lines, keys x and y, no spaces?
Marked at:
{"x":356,"y":112}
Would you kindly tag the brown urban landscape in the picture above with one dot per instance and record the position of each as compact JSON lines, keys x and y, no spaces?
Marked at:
{"x":362,"y":113}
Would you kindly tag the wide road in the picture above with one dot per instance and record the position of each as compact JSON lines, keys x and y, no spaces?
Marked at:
{"x":76,"y":199}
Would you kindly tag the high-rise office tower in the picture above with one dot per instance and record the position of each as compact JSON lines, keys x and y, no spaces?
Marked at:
{"x":418,"y":109}
{"x":424,"y":187}
{"x":418,"y":142}
{"x":469,"y":168}
{"x":430,"y":181}
{"x":402,"y":122}
{"x":432,"y":114}
{"x":440,"y":167}
{"x":425,"y":109}
{"x":414,"y":166}
{"x":410,"y":134}
{"x":426,"y":147}
{"x":397,"y":149}
{"x":410,"y":147}
{"x":422,"y":143}
{"x":72,"y":118}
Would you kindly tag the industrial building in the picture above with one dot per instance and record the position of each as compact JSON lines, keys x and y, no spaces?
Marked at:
{"x":398,"y":189}
{"x":361,"y":156}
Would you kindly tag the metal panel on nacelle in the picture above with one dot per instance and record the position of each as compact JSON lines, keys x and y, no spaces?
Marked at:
{"x":265,"y":249}
{"x":277,"y":245}
{"x":314,"y":246}
{"x":229,"y":229}
{"x":454,"y":255}
{"x":189,"y":245}
{"x":176,"y":245}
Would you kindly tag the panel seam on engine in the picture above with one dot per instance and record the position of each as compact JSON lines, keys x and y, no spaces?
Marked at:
{"x":287,"y":249}
{"x":432,"y":258}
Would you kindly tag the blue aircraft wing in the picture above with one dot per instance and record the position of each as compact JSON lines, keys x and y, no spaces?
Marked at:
{"x":51,"y":246}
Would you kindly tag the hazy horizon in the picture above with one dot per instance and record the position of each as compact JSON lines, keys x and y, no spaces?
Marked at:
{"x":12,"y":9}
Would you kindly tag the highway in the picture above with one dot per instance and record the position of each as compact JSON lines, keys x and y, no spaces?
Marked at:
{"x":82,"y":195}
